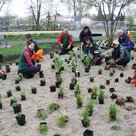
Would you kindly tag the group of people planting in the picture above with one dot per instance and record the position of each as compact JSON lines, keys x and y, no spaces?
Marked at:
{"x":121,"y":54}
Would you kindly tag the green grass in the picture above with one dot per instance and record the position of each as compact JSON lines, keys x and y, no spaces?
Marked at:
{"x":41,"y":36}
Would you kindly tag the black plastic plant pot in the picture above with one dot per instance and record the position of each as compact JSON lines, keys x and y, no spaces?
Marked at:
{"x":102,"y":87}
{"x":23,"y":98}
{"x":9,"y":93}
{"x":51,"y":55}
{"x":107,"y":82}
{"x":18,"y":88}
{"x":85,"y":124}
{"x":71,"y":86}
{"x":42,"y":83}
{"x":101,"y":101}
{"x":53,"y":66}
{"x":91,"y":79}
{"x":17,"y":109}
{"x":16,"y":81}
{"x":60,"y":96}
{"x":93,"y":97}
{"x":116,"y":80}
{"x":87,"y":70}
{"x":62,"y":68}
{"x":7,"y":70}
{"x":90,"y":112}
{"x":77,"y":74}
{"x":41,"y":75}
{"x":107,"y":59}
{"x":68,"y":61}
{"x":53,"y":88}
{"x":39,"y":65}
{"x":100,"y":72}
{"x":57,"y":74}
{"x":79,"y":105}
{"x":88,"y":132}
{"x":114,"y":96}
{"x":41,"y":72}
{"x":21,"y":121}
{"x":111,"y":74}
{"x":4,"y":77}
{"x":34,"y":90}
{"x":89,"y":90}
{"x":112,"y":90}
{"x":0,"y":105}
{"x":129,"y":99}
{"x":58,"y":84}
{"x":56,"y":135}
{"x":121,"y":75}
{"x":73,"y":70}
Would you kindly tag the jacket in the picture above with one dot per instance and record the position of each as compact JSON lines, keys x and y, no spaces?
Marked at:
{"x":83,"y":35}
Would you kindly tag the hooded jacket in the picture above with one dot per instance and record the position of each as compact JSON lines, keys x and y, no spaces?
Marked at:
{"x":25,"y":58}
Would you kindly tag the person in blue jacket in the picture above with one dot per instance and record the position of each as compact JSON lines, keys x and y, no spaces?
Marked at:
{"x":92,"y":48}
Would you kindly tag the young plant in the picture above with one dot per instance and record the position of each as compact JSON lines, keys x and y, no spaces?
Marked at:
{"x":53,"y":106}
{"x":88,"y":60}
{"x":115,"y":127}
{"x":77,"y":89}
{"x":58,"y":64}
{"x":42,"y":114}
{"x":94,"y":92}
{"x":63,"y":119}
{"x":112,"y":71}
{"x":90,"y":106}
{"x":61,"y":92}
{"x":19,"y":77}
{"x":86,"y":120}
{"x":74,"y":63}
{"x":113,"y":112}
{"x":19,"y":115}
{"x":79,"y":100}
{"x":13,"y":100}
{"x":23,"y":93}
{"x":43,"y":128}
{"x":101,"y":95}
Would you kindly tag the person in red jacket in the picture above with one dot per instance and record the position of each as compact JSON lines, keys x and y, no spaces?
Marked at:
{"x":65,"y":41}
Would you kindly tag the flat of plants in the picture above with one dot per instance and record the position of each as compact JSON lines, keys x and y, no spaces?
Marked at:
{"x":70,"y":96}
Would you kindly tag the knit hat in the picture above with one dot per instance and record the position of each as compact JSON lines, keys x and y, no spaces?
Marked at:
{"x":116,"y":42}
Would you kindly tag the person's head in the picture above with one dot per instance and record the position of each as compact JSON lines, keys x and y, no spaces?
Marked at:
{"x":120,"y":32}
{"x":88,"y":40}
{"x":31,"y":46}
{"x":115,"y":44}
{"x":65,"y":30}
{"x":28,"y":37}
{"x":86,"y":29}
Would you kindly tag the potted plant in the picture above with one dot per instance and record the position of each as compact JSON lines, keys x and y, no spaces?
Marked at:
{"x":77,"y":74}
{"x":90,"y":106}
{"x":51,"y":55}
{"x":100,"y":71}
{"x":85,"y":120}
{"x":91,"y":79}
{"x":116,"y":80}
{"x":53,"y":88}
{"x":16,"y":107}
{"x":42,"y":82}
{"x":79,"y":100}
{"x":9,"y":93}
{"x":129,"y":99}
{"x":112,"y":90}
{"x":94,"y":92}
{"x":88,"y":132}
{"x":19,"y":78}
{"x":62,"y":119}
{"x":7,"y":69}
{"x":72,"y":84}
{"x":53,"y":107}
{"x":43,"y":128}
{"x":112,"y":71}
{"x":53,"y":66}
{"x":41,"y":75}
{"x":120,"y":102}
{"x":34,"y":90}
{"x":77,"y":89}
{"x":88,"y":61}
{"x":13,"y":100}
{"x":107,"y":82}
{"x":20,"y":119}
{"x":101,"y":96}
{"x":0,"y":103}
{"x":23,"y":95}
{"x":61,"y":92}
{"x":4,"y":76}
{"x":121,"y":75}
{"x":114,"y":96}
{"x":18,"y":88}
{"x":113,"y":112}
{"x":42,"y":114}
{"x":89,"y":90}
{"x":102,"y":86}
{"x":58,"y":81}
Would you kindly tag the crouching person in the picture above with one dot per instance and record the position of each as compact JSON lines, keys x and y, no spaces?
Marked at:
{"x":120,"y":55}
{"x":92,"y":48}
{"x":26,"y":65}
{"x":65,"y":41}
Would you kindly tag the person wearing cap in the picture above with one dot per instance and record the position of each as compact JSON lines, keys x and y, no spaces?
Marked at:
{"x":124,"y":40}
{"x":26,"y":65}
{"x":92,"y":48}
{"x":30,"y":40}
{"x":120,"y":54}
{"x":65,"y":41}
{"x":84,"y":33}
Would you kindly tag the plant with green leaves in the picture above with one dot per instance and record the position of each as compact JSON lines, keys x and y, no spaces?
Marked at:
{"x":90,"y":106}
{"x":61,"y":90}
{"x":85,"y":115}
{"x":77,"y":89}
{"x":53,"y":106}
{"x":14,"y":99}
{"x":88,"y":60}
{"x":19,"y":77}
{"x":79,"y":100}
{"x":15,"y":105}
{"x":19,"y":115}
{"x":94,"y":92}
{"x":43,"y":128}
{"x":58,"y":64}
{"x":62,"y":119}
{"x":0,"y":100}
{"x":115,"y":127}
{"x":113,"y":112}
{"x":101,"y":95}
{"x":42,"y":114}
{"x":112,"y":71}
{"x":23,"y":93}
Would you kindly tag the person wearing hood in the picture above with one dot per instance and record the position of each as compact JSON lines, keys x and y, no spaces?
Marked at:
{"x":120,"y":54}
{"x":26,"y":65}
{"x":84,"y":33}
{"x":92,"y":48}
{"x":65,"y":41}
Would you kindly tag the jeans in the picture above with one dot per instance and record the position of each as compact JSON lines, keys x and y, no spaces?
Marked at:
{"x":122,"y":62}
{"x":64,"y":49}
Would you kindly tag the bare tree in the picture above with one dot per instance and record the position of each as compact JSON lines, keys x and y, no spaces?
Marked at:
{"x":110,"y":11}
{"x":2,"y":3}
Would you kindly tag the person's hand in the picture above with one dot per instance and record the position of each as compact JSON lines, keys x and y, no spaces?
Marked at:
{"x":82,"y":43}
{"x":69,"y":46}
{"x":61,"y":45}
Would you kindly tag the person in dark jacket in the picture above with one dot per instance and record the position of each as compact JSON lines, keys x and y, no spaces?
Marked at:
{"x":84,"y":33}
{"x":26,"y":65}
{"x":30,"y":40}
{"x":124,"y":40}
{"x":65,"y":41}
{"x":120,"y":54}
{"x":92,"y":48}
